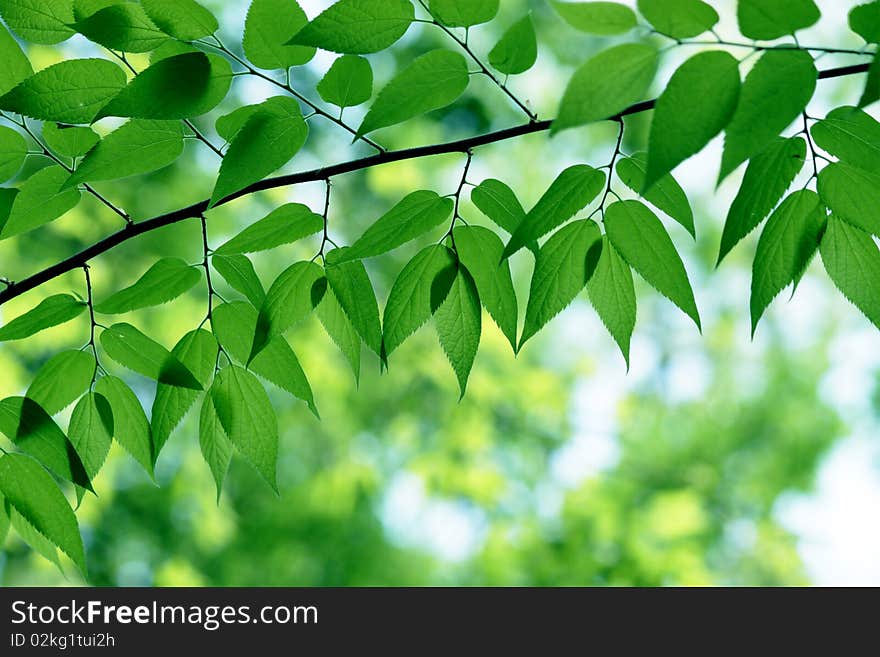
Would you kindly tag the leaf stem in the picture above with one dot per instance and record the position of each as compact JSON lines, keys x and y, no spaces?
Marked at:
{"x":91,"y":305}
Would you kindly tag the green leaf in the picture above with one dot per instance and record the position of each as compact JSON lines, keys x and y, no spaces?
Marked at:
{"x":4,"y":520}
{"x":293,"y":295}
{"x":852,"y":194}
{"x":30,"y":490}
{"x":268,"y":28}
{"x":50,"y":312}
{"x":413,"y":216}
{"x":39,"y":21}
{"x":42,"y":199}
{"x":140,"y":146}
{"x":434,"y":80}
{"x":284,"y":225}
{"x":164,"y":281}
{"x":464,"y":13}
{"x":85,"y":8}
{"x":246,"y":416}
{"x":679,"y":19}
{"x":134,"y":350}
{"x":13,"y":151}
{"x":457,"y":322}
{"x":612,"y":294}
{"x":229,"y":124}
{"x":766,"y":20}
{"x":768,"y":176}
{"x":603,"y":18}
{"x":131,"y":429}
{"x":773,"y":95}
{"x":852,"y":261}
{"x":169,"y":49}
{"x":72,"y":91}
{"x":68,"y":140}
{"x":214,"y":443}
{"x":563,"y":267}
{"x":479,"y":250}
{"x":696,"y":105}
{"x":31,"y":429}
{"x":357,"y":27}
{"x":62,"y":379}
{"x":864,"y":20}
{"x":419,"y":290}
{"x":572,"y":191}
{"x":517,"y":50}
{"x":339,"y":328}
{"x":177,"y":87}
{"x":788,"y":243}
{"x":349,"y":82}
{"x":37,"y":542}
{"x":851,"y":135}
{"x":871,"y":94}
{"x":234,"y":324}
{"x":125,"y":27}
{"x":499,"y":203}
{"x":186,"y":20}
{"x":91,"y":431}
{"x":665,"y":194}
{"x":198,"y":351}
{"x":350,"y":283}
{"x":265,"y":143}
{"x":7,"y":198}
{"x":641,"y":239}
{"x":607,"y":84}
{"x":16,"y":66}
{"x":239,"y":272}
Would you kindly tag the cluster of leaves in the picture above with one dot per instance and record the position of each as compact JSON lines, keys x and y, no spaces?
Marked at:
{"x":224,"y":362}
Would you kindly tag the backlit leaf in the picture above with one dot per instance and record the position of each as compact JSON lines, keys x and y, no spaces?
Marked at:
{"x":434,"y":80}
{"x":352,"y":287}
{"x":766,"y":20}
{"x":140,"y":146}
{"x":852,"y":260}
{"x":248,"y":419}
{"x":164,"y":281}
{"x":851,"y":135}
{"x":131,"y":429}
{"x":517,"y":50}
{"x":612,"y":294}
{"x":339,"y":328}
{"x":479,"y":250}
{"x":13,"y":151}
{"x":239,"y":272}
{"x":265,"y":143}
{"x":788,"y":243}
{"x":292,"y":297}
{"x":29,"y":489}
{"x":458,"y":324}
{"x":665,"y":194}
{"x":679,"y":19}
{"x":16,"y":66}
{"x":42,"y":199}
{"x":603,"y":18}
{"x":768,"y":176}
{"x":51,"y":311}
{"x":420,"y":288}
{"x":413,"y":216}
{"x":696,"y":105}
{"x":572,"y":190}
{"x":349,"y":82}
{"x":125,"y":27}
{"x":563,"y":267}
{"x":464,"y":13}
{"x":183,"y":19}
{"x":637,"y":234}
{"x":499,"y":203}
{"x":69,"y":140}
{"x":62,"y":379}
{"x":39,"y":21}
{"x":72,"y":91}
{"x":284,"y":225}
{"x":214,"y":443}
{"x":134,"y":350}
{"x":774,"y":94}
{"x":357,"y":27}
{"x":177,"y":87}
{"x":91,"y":431}
{"x":607,"y":84}
{"x":269,"y":26}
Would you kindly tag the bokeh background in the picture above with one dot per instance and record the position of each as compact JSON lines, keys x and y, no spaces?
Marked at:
{"x":716,"y":459}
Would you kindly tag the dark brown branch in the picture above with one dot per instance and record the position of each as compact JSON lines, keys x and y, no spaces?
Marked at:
{"x":196,"y":210}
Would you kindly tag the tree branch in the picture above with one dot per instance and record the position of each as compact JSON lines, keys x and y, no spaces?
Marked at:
{"x":196,"y":210}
